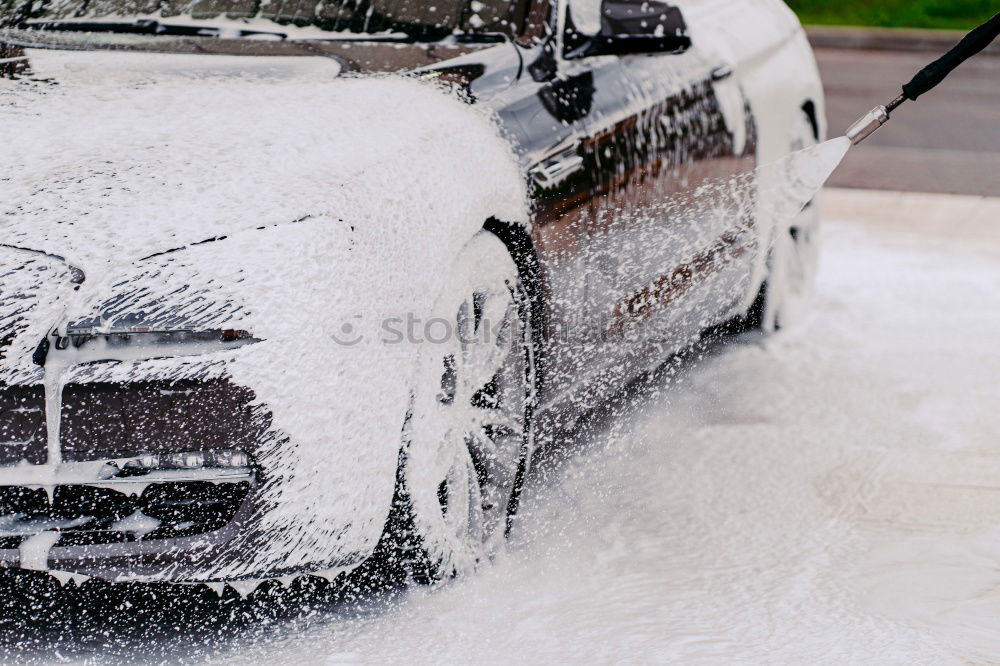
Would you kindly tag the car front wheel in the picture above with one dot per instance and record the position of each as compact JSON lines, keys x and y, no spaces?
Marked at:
{"x":469,"y":437}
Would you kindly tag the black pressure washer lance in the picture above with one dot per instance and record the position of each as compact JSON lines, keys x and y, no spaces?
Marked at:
{"x":927,"y":78}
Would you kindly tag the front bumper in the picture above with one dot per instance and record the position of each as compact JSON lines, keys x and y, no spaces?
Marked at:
{"x":169,"y":525}
{"x":93,"y":515}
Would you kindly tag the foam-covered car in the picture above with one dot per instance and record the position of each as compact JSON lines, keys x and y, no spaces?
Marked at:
{"x":281,"y":284}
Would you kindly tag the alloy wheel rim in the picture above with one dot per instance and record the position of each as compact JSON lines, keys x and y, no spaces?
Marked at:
{"x":482,"y":400}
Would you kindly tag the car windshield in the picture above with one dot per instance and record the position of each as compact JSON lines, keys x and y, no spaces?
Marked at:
{"x":422,"y":19}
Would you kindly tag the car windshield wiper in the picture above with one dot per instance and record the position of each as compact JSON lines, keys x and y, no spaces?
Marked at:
{"x":478,"y":38}
{"x":153,"y":27}
{"x":146,"y":27}
{"x":416,"y":37}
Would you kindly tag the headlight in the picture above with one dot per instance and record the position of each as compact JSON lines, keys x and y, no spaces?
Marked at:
{"x":88,"y":344}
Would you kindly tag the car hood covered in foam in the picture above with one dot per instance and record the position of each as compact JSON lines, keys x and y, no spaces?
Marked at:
{"x":329,"y":208}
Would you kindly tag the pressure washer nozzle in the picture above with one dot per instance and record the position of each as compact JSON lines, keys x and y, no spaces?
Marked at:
{"x":866,"y":125}
{"x":927,"y":78}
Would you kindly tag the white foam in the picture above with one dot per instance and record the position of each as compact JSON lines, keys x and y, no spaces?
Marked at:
{"x":363,"y":207}
{"x":34,"y":551}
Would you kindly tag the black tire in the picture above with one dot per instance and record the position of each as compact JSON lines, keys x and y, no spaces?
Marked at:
{"x":411,"y":548}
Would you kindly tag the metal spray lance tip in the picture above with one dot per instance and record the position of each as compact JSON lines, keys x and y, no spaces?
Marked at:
{"x":866,"y":125}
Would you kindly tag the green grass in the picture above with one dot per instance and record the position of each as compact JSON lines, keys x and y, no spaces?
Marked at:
{"x":943,"y":14}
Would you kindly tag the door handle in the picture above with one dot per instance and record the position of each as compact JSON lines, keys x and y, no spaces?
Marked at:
{"x":553,"y":170}
{"x":722,"y":72}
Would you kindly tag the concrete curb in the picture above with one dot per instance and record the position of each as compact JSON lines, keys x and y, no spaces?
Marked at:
{"x":949,"y":216}
{"x":888,"y":39}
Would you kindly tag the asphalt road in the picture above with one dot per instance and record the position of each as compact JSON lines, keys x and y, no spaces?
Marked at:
{"x":947,"y":141}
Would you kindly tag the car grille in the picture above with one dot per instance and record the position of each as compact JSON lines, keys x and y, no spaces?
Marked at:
{"x":86,"y":515}
{"x":115,"y":420}
{"x":22,"y":425}
{"x":104,"y":421}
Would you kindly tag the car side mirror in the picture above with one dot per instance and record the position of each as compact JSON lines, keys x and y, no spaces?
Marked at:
{"x":631,"y":27}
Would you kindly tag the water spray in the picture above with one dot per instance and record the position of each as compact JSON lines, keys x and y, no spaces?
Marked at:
{"x":931,"y":75}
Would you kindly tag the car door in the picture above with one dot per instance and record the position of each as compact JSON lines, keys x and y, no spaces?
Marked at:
{"x":605,"y":139}
{"x":666,"y":263}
